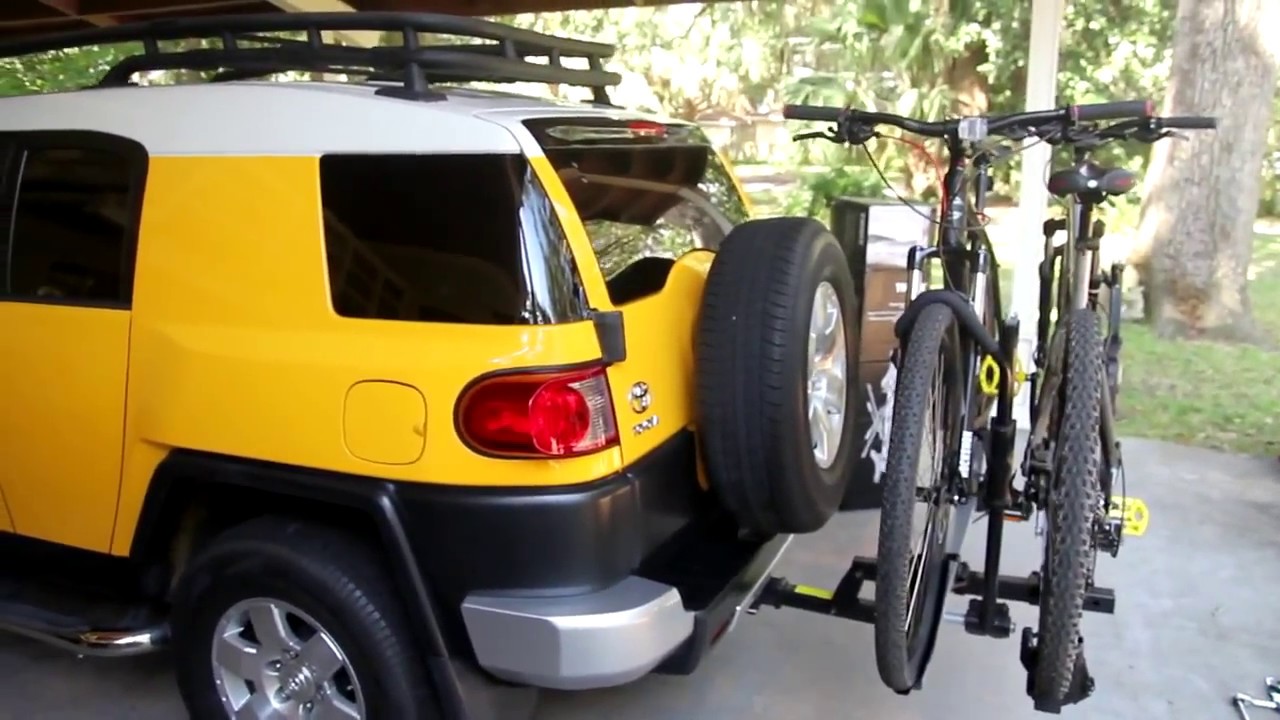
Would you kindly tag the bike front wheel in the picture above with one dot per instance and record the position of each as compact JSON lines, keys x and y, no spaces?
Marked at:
{"x":1072,"y":506}
{"x":911,"y":574}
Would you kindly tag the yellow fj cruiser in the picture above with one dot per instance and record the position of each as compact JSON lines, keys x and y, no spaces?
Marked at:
{"x":380,"y":394}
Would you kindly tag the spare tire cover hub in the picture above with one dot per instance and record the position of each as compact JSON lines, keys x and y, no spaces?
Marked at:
{"x":828,"y":373}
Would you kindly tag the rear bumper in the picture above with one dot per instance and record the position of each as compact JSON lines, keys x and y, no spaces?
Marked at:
{"x":615,"y":635}
{"x":586,"y":586}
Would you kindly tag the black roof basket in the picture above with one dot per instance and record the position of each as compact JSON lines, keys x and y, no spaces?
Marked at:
{"x":504,"y":59}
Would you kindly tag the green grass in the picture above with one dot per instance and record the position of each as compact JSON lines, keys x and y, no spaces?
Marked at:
{"x":1208,"y":394}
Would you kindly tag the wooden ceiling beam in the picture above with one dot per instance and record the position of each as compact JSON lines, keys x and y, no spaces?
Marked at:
{"x":77,"y":13}
{"x":505,"y":7}
{"x":26,"y":17}
{"x":71,"y":8}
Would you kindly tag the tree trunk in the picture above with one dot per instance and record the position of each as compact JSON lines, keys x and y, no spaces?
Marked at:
{"x":1195,"y":236}
{"x":969,"y":87}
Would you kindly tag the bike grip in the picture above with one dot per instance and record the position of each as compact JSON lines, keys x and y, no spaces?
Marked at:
{"x":820,"y":113}
{"x":1122,"y":110}
{"x":1190,"y":122}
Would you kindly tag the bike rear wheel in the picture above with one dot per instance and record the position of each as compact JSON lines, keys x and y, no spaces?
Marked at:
{"x":911,"y":577}
{"x":1072,"y":506}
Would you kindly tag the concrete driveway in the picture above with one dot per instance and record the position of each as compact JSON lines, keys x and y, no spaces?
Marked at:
{"x":1198,"y":619}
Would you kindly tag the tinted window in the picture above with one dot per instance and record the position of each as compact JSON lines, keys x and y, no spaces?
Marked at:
{"x":445,"y":238}
{"x":645,"y":203}
{"x":72,"y":232}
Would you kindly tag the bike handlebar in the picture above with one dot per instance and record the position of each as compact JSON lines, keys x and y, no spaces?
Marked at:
{"x":994,"y":123}
{"x":817,"y":113}
{"x":1122,"y":110}
{"x":1148,"y":129}
{"x":1192,"y":122}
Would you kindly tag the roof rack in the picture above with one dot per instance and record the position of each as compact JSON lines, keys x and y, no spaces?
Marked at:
{"x":503,"y":60}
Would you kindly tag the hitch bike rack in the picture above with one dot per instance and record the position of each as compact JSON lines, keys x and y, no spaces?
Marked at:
{"x":987,"y":614}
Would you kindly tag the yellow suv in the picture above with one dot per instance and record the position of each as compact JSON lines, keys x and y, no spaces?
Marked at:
{"x":377,"y":393}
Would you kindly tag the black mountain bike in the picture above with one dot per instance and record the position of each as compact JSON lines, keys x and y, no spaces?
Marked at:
{"x":1073,"y":460}
{"x":956,"y":359}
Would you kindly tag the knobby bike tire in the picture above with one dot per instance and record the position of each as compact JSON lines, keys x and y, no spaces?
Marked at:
{"x":1072,"y":507}
{"x":902,"y":651}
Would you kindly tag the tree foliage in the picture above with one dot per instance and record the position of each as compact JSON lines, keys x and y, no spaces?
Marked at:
{"x":59,"y":70}
{"x":921,"y":57}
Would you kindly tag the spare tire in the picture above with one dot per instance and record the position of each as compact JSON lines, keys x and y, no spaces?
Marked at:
{"x":776,"y":363}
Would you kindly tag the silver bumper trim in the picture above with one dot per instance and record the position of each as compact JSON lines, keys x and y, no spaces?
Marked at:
{"x":605,"y":638}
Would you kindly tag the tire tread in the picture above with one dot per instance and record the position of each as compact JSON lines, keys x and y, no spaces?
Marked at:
{"x":1072,"y":499}
{"x":895,"y":553}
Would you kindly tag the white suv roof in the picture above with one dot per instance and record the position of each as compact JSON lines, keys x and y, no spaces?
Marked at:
{"x":259,"y":117}
{"x":289,"y":118}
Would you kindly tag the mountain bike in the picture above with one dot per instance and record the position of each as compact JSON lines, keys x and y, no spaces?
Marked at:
{"x":1073,"y":395}
{"x":956,"y":359}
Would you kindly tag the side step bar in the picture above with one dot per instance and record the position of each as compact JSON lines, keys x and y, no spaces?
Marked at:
{"x":72,"y":634}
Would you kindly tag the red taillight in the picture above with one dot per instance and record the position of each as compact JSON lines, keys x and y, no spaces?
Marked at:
{"x":647,"y":128}
{"x":539,"y":414}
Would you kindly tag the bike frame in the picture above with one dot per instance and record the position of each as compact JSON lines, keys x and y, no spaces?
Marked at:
{"x":1078,"y":281}
{"x":967,"y":262}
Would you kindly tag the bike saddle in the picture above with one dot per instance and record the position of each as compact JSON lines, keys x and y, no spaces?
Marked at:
{"x":1091,"y":178}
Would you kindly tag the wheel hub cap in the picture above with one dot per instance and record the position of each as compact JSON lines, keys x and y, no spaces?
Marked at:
{"x":828,"y":375}
{"x":272,"y":661}
{"x":298,"y":684}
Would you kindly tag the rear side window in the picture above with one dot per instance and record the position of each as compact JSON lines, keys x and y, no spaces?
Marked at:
{"x":73,"y":219}
{"x":445,"y":238}
{"x":646,"y":193}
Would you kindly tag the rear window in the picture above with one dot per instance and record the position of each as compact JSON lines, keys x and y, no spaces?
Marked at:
{"x":445,"y":238}
{"x":646,"y":193}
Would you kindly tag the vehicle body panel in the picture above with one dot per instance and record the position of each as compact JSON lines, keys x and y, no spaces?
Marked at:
{"x":260,"y":368}
{"x":233,"y":347}
{"x":653,"y":388}
{"x":62,"y":377}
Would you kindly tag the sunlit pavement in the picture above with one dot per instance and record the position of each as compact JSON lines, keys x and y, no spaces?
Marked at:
{"x":1196,"y":622}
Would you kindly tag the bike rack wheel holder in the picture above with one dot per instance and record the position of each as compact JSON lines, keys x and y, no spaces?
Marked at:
{"x":986,"y":616}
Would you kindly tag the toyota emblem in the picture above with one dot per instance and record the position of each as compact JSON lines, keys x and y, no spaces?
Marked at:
{"x":640,"y":398}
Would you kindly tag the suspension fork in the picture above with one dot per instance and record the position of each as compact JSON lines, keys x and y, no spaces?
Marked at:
{"x":917,"y":257}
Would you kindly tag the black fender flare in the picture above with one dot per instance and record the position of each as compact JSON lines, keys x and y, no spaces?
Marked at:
{"x":184,"y":475}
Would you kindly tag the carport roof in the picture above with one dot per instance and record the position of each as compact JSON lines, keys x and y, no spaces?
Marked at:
{"x":30,"y":17}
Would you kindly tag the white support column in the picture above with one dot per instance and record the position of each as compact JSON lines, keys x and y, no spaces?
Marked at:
{"x":1042,"y":74}
{"x":361,"y":38}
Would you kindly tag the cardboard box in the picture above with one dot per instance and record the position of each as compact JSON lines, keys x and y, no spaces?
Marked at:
{"x":876,"y":236}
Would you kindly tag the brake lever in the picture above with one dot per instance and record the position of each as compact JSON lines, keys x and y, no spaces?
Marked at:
{"x":1151,"y":135}
{"x":817,"y":135}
